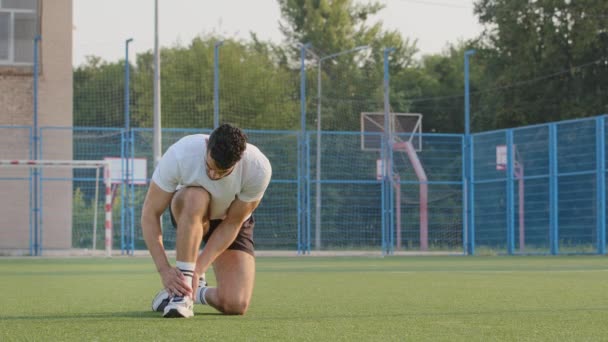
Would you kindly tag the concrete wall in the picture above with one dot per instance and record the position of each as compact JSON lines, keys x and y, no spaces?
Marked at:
{"x":54,"y":109}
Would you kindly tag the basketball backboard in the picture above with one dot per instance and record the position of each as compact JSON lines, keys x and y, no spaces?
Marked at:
{"x":403,"y":126}
{"x":139,"y":170}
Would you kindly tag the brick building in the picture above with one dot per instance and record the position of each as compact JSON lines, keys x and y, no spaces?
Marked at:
{"x":20,"y":22}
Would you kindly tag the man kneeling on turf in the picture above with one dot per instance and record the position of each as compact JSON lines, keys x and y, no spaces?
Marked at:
{"x":211,"y":184}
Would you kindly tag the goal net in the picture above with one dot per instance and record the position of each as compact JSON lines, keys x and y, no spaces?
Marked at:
{"x":49,"y":206}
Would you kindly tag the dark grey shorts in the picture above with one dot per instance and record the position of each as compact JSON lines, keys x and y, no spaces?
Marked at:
{"x":243,"y":241}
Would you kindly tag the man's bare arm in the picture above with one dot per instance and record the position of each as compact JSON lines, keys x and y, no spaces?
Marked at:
{"x":156,"y":202}
{"x":225,"y":234}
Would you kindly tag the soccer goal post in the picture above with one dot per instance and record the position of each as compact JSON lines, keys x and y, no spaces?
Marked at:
{"x":35,"y":212}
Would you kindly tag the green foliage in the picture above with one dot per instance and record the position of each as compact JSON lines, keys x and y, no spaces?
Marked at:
{"x":536,"y":61}
{"x":255,"y":88}
{"x":83,"y":215}
{"x":257,"y":93}
{"x":544,"y":61}
{"x":81,"y":212}
{"x":99,"y":94}
{"x":434,"y":86}
{"x":353,"y":84}
{"x":330,"y":25}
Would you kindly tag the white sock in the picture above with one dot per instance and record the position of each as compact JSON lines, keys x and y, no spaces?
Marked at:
{"x":200,"y":295}
{"x":187,"y":269}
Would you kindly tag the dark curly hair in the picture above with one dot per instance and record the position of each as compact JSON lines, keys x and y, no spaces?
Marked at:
{"x":226,"y":145}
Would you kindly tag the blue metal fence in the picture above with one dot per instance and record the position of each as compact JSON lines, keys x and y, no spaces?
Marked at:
{"x":536,"y":190}
{"x":350,"y":194}
{"x":549,"y":197}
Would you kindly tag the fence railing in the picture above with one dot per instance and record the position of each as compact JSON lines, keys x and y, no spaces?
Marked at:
{"x":536,"y":190}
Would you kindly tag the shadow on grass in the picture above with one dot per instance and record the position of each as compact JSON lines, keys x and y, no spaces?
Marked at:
{"x":97,"y":315}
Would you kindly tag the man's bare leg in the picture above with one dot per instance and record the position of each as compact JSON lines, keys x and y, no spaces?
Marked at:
{"x":235,"y":275}
{"x":189,"y":207}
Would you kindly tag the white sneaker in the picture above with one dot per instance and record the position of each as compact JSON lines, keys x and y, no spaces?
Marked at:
{"x":160,"y":301}
{"x":162,"y":298}
{"x":179,"y":307}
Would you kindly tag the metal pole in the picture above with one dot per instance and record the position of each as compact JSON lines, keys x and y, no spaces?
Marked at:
{"x":157,"y":144}
{"x":216,"y":84}
{"x":468,"y":155}
{"x":123,"y":195}
{"x":553,"y":191}
{"x":387,"y":125}
{"x":132,"y":194}
{"x":465,"y":199}
{"x":467,"y":106}
{"x":471,"y":194}
{"x":510,"y":194}
{"x":318,"y":164}
{"x":301,"y":159}
{"x":36,"y":80}
{"x":35,"y":214}
{"x":127,"y":80}
{"x":600,"y":138}
{"x":387,"y":157}
{"x":95,"y":209}
{"x":124,"y":221}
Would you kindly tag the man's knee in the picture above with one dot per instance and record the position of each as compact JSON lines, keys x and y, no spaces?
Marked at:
{"x":191,"y":201}
{"x":233,"y":305}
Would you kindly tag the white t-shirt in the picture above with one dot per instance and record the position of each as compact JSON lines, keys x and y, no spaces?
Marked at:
{"x":183,"y":164}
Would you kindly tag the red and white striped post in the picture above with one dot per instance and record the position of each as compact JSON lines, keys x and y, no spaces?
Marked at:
{"x":108,"y":209}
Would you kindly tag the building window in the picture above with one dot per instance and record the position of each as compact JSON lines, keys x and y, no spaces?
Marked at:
{"x":18,"y":28}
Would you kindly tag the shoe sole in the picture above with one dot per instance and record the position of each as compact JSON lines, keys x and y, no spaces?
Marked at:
{"x":178,"y":312}
{"x":174,"y":313}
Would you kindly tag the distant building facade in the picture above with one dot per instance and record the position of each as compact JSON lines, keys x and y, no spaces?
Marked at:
{"x":20,"y":22}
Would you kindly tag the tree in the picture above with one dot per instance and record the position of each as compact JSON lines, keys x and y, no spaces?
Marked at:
{"x":256,"y":91}
{"x":354,"y":83}
{"x":435,"y":89}
{"x":99,"y":94}
{"x":545,"y":60}
{"x":330,"y":25}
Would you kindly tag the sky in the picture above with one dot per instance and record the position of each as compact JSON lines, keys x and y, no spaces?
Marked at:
{"x":101,"y":27}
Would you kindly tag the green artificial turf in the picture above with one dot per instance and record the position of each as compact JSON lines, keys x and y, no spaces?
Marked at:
{"x":547,"y":298}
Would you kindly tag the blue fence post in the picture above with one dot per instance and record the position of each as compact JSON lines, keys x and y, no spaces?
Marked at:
{"x":600,"y":143}
{"x":125,"y":215}
{"x":387,"y":173}
{"x":467,"y":92}
{"x":471,"y":193}
{"x":553,"y":190}
{"x":510,"y":202}
{"x":468,"y":150}
{"x":31,"y":192}
{"x":216,"y":83}
{"x":123,"y":192}
{"x":308,"y":194}
{"x":463,"y":160}
{"x":35,"y":217}
{"x":302,"y":234}
{"x":383,"y":190}
{"x":132,"y":190}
